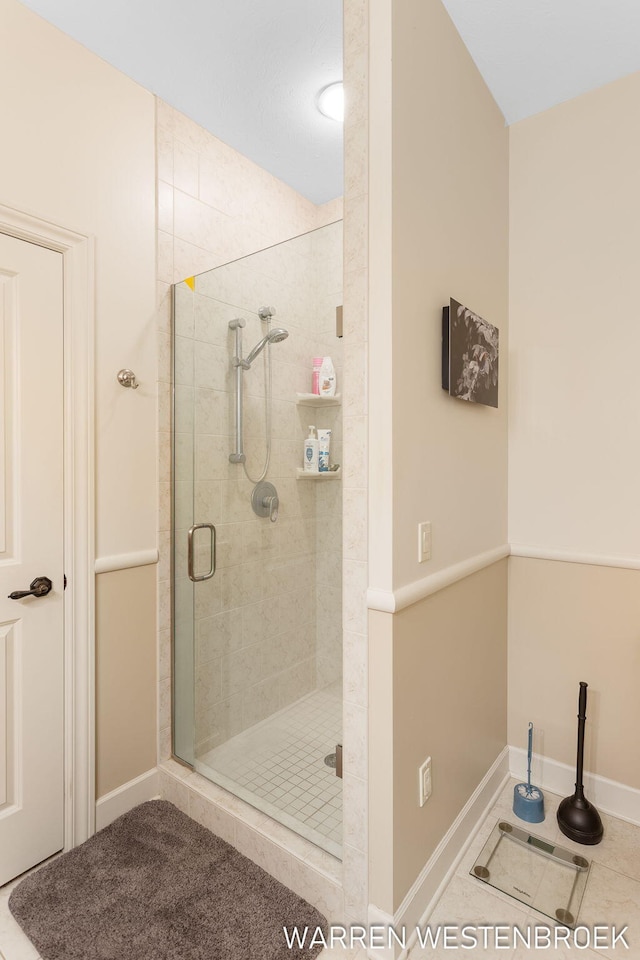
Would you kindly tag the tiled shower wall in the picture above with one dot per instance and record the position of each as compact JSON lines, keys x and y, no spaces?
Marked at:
{"x":268,"y":625}
{"x":213,"y":206}
{"x":355,"y":479}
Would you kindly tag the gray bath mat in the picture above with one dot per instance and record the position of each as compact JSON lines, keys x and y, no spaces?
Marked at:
{"x":155,"y":885}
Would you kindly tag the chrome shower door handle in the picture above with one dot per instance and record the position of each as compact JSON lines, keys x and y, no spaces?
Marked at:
{"x":191,"y":559}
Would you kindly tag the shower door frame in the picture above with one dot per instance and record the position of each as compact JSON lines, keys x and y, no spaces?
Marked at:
{"x":172,"y":522}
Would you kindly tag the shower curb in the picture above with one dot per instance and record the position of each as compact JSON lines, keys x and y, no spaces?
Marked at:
{"x":297,"y":863}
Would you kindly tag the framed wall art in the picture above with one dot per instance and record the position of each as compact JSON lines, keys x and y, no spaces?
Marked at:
{"x":470,"y":353}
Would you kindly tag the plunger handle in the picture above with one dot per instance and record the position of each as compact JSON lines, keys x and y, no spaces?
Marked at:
{"x":582,"y":716}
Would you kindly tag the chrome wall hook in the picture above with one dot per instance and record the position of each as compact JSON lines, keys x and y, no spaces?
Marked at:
{"x":128,"y":379}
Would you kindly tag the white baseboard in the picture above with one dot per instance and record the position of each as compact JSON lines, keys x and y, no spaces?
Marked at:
{"x":421,"y":898}
{"x":125,"y":798}
{"x":382,"y":921}
{"x":609,"y":796}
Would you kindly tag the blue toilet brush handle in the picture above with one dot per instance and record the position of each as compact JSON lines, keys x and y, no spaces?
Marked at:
{"x":529,"y":752}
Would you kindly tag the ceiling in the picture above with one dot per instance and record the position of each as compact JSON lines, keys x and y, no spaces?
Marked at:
{"x":534,"y":54}
{"x":250,"y":70}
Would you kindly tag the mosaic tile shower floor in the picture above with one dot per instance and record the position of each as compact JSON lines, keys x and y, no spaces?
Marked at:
{"x":278,"y":766}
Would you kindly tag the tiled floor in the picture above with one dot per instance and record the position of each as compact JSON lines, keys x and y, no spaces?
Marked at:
{"x":13,"y":943}
{"x":612,"y":895}
{"x":278,"y":766}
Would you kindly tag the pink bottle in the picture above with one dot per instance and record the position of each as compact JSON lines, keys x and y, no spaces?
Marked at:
{"x":315,"y":378}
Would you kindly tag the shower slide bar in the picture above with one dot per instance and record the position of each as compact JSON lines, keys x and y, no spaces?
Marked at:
{"x":240,"y":366}
{"x":191,"y":559}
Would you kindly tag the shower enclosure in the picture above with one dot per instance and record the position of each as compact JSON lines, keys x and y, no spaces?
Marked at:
{"x":257,"y":544}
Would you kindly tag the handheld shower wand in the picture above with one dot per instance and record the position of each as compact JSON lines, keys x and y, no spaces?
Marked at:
{"x":274,"y":336}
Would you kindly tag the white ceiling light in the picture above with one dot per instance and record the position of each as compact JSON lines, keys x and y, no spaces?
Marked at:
{"x":331,"y":101}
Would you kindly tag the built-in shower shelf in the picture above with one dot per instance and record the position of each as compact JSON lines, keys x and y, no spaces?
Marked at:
{"x":315,"y":475}
{"x":313,"y":400}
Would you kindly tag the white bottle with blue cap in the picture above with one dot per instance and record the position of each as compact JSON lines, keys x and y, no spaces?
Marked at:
{"x":311,"y":452}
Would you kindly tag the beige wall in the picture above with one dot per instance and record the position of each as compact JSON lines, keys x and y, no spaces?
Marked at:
{"x":448,"y":700}
{"x":126,"y":667}
{"x":449,"y":237}
{"x":574,"y":462}
{"x":450,"y":703}
{"x":570,"y":622}
{"x":575,"y":336}
{"x":78,"y":151}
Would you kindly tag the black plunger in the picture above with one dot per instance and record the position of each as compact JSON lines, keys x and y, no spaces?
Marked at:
{"x":577,"y":818}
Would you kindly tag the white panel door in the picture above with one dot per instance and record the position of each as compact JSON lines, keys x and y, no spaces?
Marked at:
{"x":31,"y":547}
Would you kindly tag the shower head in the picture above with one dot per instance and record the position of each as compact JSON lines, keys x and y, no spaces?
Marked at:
{"x":274,"y":336}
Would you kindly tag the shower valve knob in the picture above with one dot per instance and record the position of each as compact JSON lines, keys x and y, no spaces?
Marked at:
{"x":272,"y":504}
{"x":265,"y":500}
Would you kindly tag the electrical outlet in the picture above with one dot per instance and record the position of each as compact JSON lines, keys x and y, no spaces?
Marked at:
{"x":424,"y":781}
{"x":424,"y":541}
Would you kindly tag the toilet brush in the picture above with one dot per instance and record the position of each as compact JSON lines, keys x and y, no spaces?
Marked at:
{"x":577,"y":818}
{"x":528,"y":801}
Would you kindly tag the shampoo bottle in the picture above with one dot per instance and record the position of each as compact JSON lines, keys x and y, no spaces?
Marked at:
{"x":315,"y":377}
{"x":311,"y":452}
{"x":327,"y":378}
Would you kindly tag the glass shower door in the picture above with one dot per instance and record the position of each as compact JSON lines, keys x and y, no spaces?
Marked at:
{"x":258,"y":646}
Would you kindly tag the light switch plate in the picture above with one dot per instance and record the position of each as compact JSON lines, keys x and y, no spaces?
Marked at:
{"x":424,"y":541}
{"x":424,"y":781}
